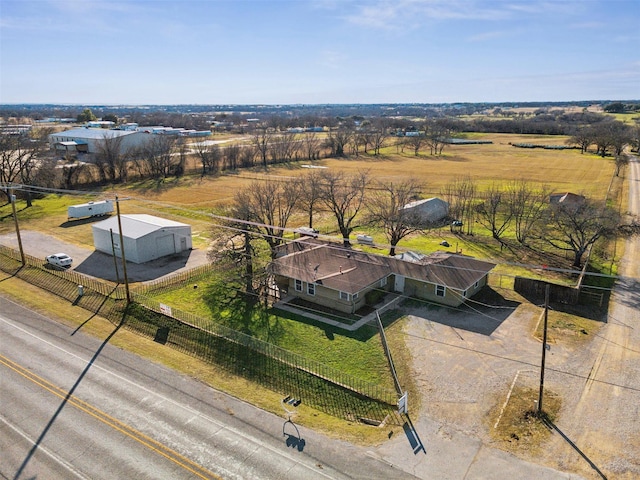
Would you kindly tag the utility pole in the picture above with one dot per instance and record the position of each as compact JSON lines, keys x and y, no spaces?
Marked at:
{"x":12,"y":197}
{"x":544,"y":347}
{"x":124,"y":260}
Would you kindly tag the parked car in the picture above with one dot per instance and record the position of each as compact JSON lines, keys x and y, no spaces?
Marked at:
{"x":61,"y":260}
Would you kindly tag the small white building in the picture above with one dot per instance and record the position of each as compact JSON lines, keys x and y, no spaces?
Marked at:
{"x":429,"y":209}
{"x":145,"y":237}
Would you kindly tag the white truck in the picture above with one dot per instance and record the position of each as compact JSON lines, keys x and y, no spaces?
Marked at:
{"x":91,"y":209}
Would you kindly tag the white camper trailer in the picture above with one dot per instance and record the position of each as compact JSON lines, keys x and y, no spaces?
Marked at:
{"x":91,"y":209}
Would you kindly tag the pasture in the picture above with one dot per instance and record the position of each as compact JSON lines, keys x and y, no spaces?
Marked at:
{"x":564,"y":170}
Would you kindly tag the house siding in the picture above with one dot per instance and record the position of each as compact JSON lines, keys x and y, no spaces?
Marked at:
{"x":326,"y":297}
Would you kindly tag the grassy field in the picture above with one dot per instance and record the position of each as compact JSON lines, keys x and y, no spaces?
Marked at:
{"x":192,"y":198}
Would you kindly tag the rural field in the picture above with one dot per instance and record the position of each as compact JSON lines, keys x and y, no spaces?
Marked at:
{"x":466,"y":404}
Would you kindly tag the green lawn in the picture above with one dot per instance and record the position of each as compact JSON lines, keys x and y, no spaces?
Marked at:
{"x":221,"y":300}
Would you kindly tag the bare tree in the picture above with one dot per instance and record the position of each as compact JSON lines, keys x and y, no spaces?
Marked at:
{"x":247,"y":156}
{"x":527,"y":204}
{"x":576,"y":226}
{"x":386,"y":211}
{"x":344,"y":197}
{"x":17,"y":154}
{"x":461,"y":194}
{"x":437,"y":132}
{"x":495,"y":212}
{"x":377,"y":139}
{"x":261,"y":141}
{"x":210,"y":157}
{"x":582,"y":137}
{"x":232,"y":155}
{"x":415,"y":142}
{"x":311,"y":145}
{"x":234,"y":240}
{"x":109,"y":158}
{"x":611,"y":135}
{"x":337,"y":140}
{"x":269,"y":205}
{"x":621,"y":161}
{"x":310,"y":187}
{"x":157,"y":155}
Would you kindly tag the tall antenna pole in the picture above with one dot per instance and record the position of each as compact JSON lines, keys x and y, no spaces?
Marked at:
{"x":124,"y":260}
{"x":544,"y":347}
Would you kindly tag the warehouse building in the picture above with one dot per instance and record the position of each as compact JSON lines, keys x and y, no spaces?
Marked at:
{"x":145,"y":237}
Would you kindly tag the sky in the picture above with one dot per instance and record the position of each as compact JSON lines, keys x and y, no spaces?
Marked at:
{"x":135,"y":52}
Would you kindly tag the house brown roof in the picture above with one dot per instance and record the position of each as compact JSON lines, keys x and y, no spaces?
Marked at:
{"x":335,"y":267}
{"x":443,"y":268}
{"x":351,"y":271}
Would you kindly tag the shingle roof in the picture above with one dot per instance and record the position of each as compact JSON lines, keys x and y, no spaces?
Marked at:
{"x":351,"y":271}
{"x":334,"y":267}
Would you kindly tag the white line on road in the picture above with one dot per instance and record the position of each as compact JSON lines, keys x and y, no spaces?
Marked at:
{"x":173,"y":402}
{"x":44,"y":450}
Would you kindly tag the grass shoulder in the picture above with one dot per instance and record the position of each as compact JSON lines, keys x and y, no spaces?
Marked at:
{"x":54,"y":307}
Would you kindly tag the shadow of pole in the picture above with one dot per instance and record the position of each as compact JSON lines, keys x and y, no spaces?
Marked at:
{"x":412,"y":436}
{"x":69,"y":394}
{"x":97,"y":310}
{"x":553,"y":426}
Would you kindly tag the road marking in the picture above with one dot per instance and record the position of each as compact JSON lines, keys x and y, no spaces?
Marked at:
{"x":45,"y":450}
{"x":198,"y":413}
{"x":112,"y":422}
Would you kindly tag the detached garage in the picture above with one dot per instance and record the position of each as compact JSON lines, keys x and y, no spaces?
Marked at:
{"x":145,"y":237}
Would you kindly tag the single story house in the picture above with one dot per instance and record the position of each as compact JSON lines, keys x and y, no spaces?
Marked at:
{"x":145,"y":237}
{"x":340,"y":278}
{"x":428,"y":210}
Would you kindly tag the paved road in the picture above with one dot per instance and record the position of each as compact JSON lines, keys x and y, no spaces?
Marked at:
{"x":73,"y":406}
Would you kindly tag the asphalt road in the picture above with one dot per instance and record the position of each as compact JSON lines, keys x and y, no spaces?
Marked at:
{"x":73,"y":406}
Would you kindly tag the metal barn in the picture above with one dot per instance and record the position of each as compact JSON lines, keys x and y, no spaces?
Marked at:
{"x":145,"y":237}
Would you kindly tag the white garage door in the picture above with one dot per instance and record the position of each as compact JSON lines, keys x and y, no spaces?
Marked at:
{"x":165,"y":246}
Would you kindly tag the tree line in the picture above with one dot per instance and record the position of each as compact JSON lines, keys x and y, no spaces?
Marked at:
{"x":261,"y":215}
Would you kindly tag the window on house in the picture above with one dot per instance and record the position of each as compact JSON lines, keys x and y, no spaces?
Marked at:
{"x":344,"y":296}
{"x":383,"y":281}
{"x":440,"y":290}
{"x":311,"y":288}
{"x":464,"y":294}
{"x":477,"y":283}
{"x":298,"y":285}
{"x":355,"y":295}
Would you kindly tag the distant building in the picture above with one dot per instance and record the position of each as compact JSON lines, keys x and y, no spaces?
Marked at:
{"x":88,"y":140}
{"x":428,"y":210}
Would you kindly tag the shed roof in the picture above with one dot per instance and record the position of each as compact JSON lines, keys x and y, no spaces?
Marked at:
{"x":138,"y":225}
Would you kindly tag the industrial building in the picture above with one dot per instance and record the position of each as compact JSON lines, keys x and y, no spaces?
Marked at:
{"x":144,"y":237}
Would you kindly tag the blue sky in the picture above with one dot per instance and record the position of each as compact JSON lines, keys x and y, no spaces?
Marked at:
{"x":318,"y":51}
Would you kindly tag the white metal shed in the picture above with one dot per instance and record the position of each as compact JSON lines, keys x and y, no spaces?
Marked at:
{"x":145,"y":237}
